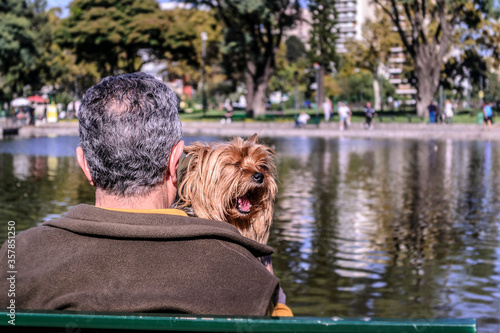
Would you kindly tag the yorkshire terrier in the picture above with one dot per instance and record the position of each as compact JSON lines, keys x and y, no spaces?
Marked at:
{"x":230,"y":181}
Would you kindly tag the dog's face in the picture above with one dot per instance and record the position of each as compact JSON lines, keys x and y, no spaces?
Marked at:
{"x":231,"y":181}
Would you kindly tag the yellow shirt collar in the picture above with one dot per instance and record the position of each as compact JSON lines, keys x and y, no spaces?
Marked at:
{"x":168,"y":211}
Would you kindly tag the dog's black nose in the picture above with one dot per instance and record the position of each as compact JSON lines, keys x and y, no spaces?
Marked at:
{"x":258,"y":177}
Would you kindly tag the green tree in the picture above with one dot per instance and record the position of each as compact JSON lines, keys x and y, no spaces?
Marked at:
{"x":476,"y":54}
{"x":110,"y":33}
{"x":289,"y":76}
{"x":18,"y":50}
{"x":426,"y":29}
{"x":295,"y":49}
{"x":63,"y":72}
{"x":356,"y":88}
{"x":185,"y":44}
{"x":56,"y":67}
{"x":252,"y":36}
{"x":322,"y":41}
{"x":373,"y":50}
{"x":30,"y":58}
{"x":52,"y":68}
{"x":492,"y":91}
{"x":468,"y":66}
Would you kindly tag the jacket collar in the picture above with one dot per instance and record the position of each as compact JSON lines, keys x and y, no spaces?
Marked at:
{"x":93,"y":221}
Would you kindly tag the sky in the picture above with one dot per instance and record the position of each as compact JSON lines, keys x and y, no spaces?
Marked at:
{"x":59,"y":3}
{"x":64,"y":4}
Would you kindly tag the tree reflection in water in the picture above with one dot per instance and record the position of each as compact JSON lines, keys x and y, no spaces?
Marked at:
{"x":382,"y":228}
{"x":393,"y":228}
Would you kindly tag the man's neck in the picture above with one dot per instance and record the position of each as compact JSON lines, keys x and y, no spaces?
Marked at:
{"x":154,"y":200}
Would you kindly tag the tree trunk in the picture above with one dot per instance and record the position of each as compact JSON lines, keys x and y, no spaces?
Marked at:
{"x":250,"y":94}
{"x":320,"y":87}
{"x":256,"y":96}
{"x":427,"y":71}
{"x":376,"y":93}
{"x":257,"y":81}
{"x":259,"y":100}
{"x":377,"y":89}
{"x":424,"y":98}
{"x":427,"y":53}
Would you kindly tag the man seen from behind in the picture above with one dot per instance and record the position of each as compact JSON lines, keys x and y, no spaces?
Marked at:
{"x":130,"y":252}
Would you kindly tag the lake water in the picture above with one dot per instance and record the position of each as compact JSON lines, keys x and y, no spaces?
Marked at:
{"x":363,"y":228}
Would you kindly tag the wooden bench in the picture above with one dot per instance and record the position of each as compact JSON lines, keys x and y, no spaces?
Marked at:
{"x":266,"y":117}
{"x":69,"y":321}
{"x":413,"y":116}
{"x":314,"y":121}
{"x":381,"y":117}
{"x":238,"y":116}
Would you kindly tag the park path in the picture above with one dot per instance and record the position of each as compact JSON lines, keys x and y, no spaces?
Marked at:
{"x":286,"y":129}
{"x":381,"y":130}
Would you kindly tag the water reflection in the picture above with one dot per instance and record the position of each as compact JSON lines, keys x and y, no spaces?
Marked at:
{"x":404,"y":229}
{"x":389,"y":228}
{"x":35,"y":188}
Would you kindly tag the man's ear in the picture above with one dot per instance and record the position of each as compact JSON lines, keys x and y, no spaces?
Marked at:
{"x":173,"y":162}
{"x":82,"y":161}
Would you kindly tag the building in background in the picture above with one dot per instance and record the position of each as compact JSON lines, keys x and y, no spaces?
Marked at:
{"x":351,"y":15}
{"x":397,"y":59}
{"x":301,"y":29}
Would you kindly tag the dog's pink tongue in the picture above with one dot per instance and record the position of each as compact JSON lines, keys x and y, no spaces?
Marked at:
{"x":244,"y":203}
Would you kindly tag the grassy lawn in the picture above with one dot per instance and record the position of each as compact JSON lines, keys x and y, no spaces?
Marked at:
{"x":198,"y":115}
{"x":289,"y":114}
{"x":458,"y":119}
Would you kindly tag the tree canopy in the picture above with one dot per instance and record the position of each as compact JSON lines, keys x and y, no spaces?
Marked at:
{"x":322,"y":40}
{"x":426,"y":29}
{"x":18,"y":43}
{"x":450,"y":43}
{"x":252,"y":36}
{"x":110,"y":33}
{"x":185,"y":44}
{"x":373,"y":50}
{"x":295,"y":49}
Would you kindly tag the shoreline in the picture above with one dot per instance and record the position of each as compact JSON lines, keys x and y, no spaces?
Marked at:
{"x":286,"y":129}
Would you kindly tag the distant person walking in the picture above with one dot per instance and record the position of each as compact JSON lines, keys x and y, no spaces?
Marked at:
{"x":227,"y":117}
{"x":229,"y":112}
{"x":369,"y":115}
{"x":433,"y":111}
{"x":448,"y":112}
{"x":227,"y":105}
{"x":488,"y":115}
{"x":344,"y":115}
{"x":327,"y":109}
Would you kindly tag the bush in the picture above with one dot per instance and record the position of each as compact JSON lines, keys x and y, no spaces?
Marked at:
{"x":276,"y":107}
{"x":62,"y":98}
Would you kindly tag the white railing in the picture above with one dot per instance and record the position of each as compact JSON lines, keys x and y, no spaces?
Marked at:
{"x":7,"y":123}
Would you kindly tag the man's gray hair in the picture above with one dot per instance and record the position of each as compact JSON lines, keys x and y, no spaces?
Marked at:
{"x":128,"y":127}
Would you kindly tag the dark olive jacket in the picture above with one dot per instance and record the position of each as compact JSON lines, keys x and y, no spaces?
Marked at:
{"x":95,"y":259}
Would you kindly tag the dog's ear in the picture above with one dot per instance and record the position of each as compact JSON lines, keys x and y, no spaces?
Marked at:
{"x":193,"y":153}
{"x":253,"y":139}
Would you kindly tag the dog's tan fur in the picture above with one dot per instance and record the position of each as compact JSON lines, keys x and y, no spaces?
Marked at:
{"x":218,"y":174}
